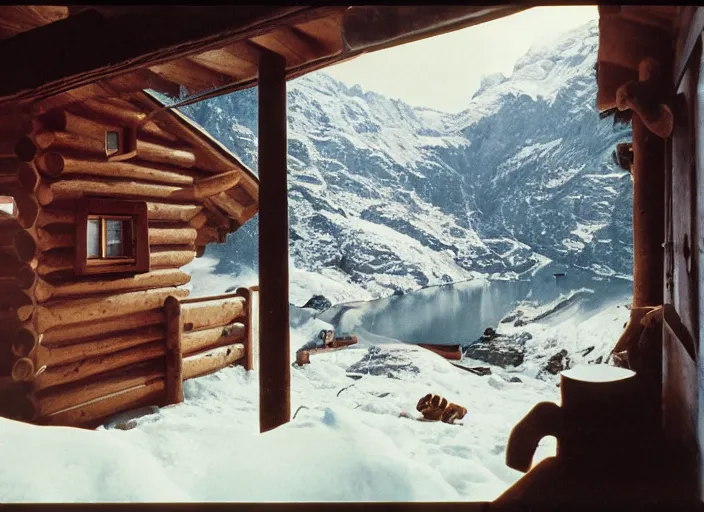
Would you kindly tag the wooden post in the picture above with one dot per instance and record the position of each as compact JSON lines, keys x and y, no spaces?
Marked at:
{"x":274,"y":357}
{"x":174,"y":361}
{"x":648,"y":208}
{"x":247,"y":361}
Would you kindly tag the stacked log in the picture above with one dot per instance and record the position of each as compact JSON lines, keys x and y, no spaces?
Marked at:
{"x":174,"y":360}
{"x":161,"y":257}
{"x":213,"y":322}
{"x":202,"y":336}
{"x":123,"y":112}
{"x":71,"y":372}
{"x":249,"y":322}
{"x":86,"y":287}
{"x":194,"y":341}
{"x":86,"y":364}
{"x":67,"y":397}
{"x":62,"y":313}
{"x":212,"y":360}
{"x":18,"y":250}
{"x":93,"y":411}
{"x":89,"y":371}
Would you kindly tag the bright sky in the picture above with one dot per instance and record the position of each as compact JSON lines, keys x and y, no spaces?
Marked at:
{"x":415,"y":74}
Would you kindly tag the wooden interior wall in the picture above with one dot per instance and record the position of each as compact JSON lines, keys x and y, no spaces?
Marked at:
{"x":72,"y":337}
{"x":683,"y":230}
{"x":698,"y":146}
{"x":683,"y":376}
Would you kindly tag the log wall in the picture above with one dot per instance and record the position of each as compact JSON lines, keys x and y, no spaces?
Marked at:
{"x":129,"y":361}
{"x":75,"y":349}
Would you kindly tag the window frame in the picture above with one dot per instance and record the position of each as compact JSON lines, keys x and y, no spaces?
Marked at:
{"x":126,"y":143}
{"x":102,"y":233}
{"x":105,"y":209}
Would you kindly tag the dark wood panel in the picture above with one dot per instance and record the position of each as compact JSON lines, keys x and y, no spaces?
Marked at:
{"x":684,"y":204}
{"x":698,"y":115}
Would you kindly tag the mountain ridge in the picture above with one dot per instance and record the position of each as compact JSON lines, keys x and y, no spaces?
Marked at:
{"x":388,"y":197}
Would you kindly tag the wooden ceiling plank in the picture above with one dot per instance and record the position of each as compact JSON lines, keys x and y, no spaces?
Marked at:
{"x":222,"y":61}
{"x":325,"y":30}
{"x":190,"y":74}
{"x":294,"y":46}
{"x":244,"y":51}
{"x":20,"y":18}
{"x":158,"y":83}
{"x":94,"y":90}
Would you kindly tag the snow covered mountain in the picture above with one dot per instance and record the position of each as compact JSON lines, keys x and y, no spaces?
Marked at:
{"x":386,"y":197}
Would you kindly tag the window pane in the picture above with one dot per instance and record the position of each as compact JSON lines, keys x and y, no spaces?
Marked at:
{"x":115,"y":232}
{"x":93,"y":238}
{"x":112,"y":141}
{"x":7,"y":205}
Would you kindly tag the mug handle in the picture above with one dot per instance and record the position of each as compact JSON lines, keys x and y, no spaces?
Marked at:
{"x":544,"y":419}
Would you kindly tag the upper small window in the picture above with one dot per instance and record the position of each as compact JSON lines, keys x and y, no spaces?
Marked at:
{"x":120,"y":144}
{"x":8,"y":206}
{"x":112,"y":236}
{"x":112,"y":142}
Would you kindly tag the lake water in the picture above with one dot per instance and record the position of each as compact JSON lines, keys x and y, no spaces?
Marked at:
{"x":459,"y":313}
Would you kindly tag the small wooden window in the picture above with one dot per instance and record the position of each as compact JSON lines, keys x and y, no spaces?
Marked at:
{"x":112,"y":142}
{"x":112,"y":236}
{"x":120,"y":144}
{"x":8,"y":206}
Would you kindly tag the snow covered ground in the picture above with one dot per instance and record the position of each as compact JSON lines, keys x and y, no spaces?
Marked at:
{"x":347,"y":441}
{"x":303,"y":284}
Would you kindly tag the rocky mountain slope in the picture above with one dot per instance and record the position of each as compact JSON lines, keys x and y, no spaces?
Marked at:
{"x":387,"y":197}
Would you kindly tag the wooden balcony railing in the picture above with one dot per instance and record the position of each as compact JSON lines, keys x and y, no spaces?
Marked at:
{"x":144,"y":362}
{"x":204,"y":335}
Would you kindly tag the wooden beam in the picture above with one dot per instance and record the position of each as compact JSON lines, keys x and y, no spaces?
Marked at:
{"x":174,"y":359}
{"x":192,"y":75}
{"x":248,"y":360}
{"x":244,"y":51}
{"x":648,"y":222}
{"x":296,"y":46}
{"x":211,"y":361}
{"x":274,"y":343}
{"x":377,"y":27}
{"x":19,"y":18}
{"x":35,"y":63}
{"x":222,"y":61}
{"x":327,"y":31}
{"x":151,"y":80}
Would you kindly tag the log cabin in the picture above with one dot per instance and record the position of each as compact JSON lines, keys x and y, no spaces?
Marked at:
{"x":109,"y":197}
{"x":649,"y":68}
